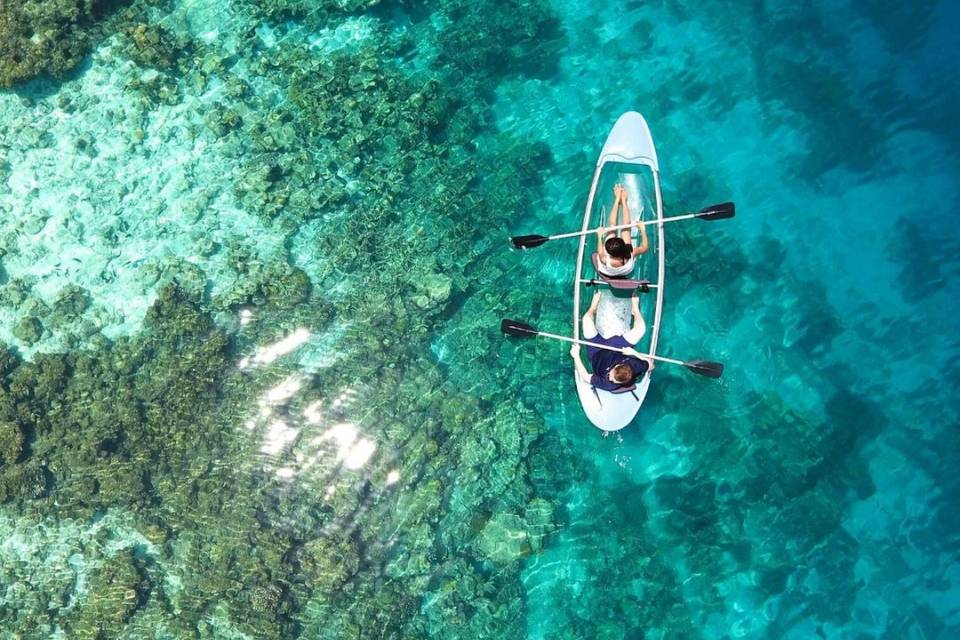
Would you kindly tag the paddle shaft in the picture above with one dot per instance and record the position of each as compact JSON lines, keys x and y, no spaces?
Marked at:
{"x":597,"y":283}
{"x":587,"y":343}
{"x":573,"y":234}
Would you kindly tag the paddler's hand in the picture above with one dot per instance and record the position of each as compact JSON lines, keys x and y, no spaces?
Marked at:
{"x":633,"y":353}
{"x":600,"y":231}
{"x":574,"y":351}
{"x":635,"y":302}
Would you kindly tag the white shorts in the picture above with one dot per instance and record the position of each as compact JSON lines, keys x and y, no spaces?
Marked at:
{"x":632,"y":335}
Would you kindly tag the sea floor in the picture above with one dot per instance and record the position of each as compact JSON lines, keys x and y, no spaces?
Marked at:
{"x":253,"y":260}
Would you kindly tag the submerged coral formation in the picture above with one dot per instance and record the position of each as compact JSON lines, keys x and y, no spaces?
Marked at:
{"x":47,"y":37}
{"x":272,"y":511}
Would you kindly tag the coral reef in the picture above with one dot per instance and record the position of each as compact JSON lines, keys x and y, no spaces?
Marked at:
{"x":11,"y":443}
{"x":494,"y":38}
{"x":69,"y":305}
{"x":152,"y":45}
{"x":39,"y":37}
{"x":29,"y":330}
{"x":319,"y":12}
{"x":119,"y":588}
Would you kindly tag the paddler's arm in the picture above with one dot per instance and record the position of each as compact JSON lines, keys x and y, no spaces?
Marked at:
{"x":582,"y":372}
{"x":602,"y":231}
{"x":644,"y":243}
{"x":600,"y":251}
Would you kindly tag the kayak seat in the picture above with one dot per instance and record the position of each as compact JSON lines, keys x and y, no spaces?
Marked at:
{"x":619,"y":283}
{"x":629,"y":389}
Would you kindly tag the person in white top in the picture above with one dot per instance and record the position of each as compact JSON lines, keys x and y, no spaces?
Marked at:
{"x":617,"y":254}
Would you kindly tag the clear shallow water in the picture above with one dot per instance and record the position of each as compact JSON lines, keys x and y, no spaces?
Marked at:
{"x":449,"y":486}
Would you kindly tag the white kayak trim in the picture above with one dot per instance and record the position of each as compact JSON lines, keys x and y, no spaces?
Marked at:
{"x":628,"y":142}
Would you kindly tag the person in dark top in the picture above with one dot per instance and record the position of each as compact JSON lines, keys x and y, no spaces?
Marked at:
{"x":612,"y":371}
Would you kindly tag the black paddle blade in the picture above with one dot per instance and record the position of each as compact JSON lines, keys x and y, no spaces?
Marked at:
{"x":705,"y":368}
{"x":718,"y":211}
{"x":528,"y":242}
{"x":519,"y":329}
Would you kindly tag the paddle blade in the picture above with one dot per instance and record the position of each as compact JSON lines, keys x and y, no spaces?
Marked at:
{"x":528,"y":242}
{"x":519,"y":329}
{"x":705,"y":368}
{"x":718,"y":211}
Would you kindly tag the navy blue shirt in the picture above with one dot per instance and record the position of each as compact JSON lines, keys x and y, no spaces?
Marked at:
{"x":603,"y":360}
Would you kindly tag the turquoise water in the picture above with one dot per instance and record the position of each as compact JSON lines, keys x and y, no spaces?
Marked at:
{"x":253,"y":258}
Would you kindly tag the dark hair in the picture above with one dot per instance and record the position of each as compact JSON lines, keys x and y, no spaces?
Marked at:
{"x":617,"y":248}
{"x":622,"y":373}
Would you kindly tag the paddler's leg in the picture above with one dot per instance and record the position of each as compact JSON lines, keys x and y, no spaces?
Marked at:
{"x":639,"y":327}
{"x":614,"y":212}
{"x":589,"y":322}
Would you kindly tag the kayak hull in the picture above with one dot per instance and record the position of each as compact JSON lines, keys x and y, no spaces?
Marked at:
{"x":628,"y":157}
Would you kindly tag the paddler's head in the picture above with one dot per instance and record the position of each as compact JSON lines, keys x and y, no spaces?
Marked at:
{"x":621,"y":374}
{"x":617,"y":248}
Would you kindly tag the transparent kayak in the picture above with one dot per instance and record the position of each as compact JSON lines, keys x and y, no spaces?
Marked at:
{"x":628,"y":158}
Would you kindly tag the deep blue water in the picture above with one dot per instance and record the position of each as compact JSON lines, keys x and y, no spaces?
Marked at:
{"x":812,"y":490}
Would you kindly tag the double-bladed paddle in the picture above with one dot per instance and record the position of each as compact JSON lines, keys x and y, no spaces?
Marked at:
{"x":523,"y":330}
{"x":713,"y":212}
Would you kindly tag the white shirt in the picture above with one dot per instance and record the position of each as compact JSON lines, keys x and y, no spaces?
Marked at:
{"x":608,"y":269}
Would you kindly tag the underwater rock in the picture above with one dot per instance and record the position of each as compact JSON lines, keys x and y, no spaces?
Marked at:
{"x":411,"y":558}
{"x":37,"y":36}
{"x":23,"y":482}
{"x":155,"y":46}
{"x":284,"y":286}
{"x":9,"y":360}
{"x":117,"y":590}
{"x":175,"y":312}
{"x":539,"y":522}
{"x":156,"y":88}
{"x":286,"y":9}
{"x":16,"y":291}
{"x":28,"y":330}
{"x":35,"y":307}
{"x":120,"y":482}
{"x":327,"y":563}
{"x":504,"y":539}
{"x":266,"y":599}
{"x":276,"y":284}
{"x":185,"y":275}
{"x":434,"y":289}
{"x":5,"y":171}
{"x":503,"y":24}
{"x":69,"y":305}
{"x":222,"y":120}
{"x":11,"y":443}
